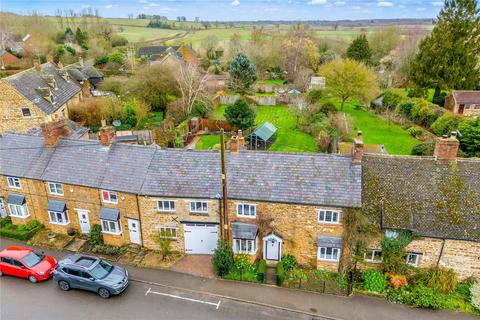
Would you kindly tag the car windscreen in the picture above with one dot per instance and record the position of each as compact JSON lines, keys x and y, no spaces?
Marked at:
{"x":32,"y":259}
{"x":102,"y":269}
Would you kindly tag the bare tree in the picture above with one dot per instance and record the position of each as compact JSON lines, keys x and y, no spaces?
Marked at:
{"x":191,"y":83}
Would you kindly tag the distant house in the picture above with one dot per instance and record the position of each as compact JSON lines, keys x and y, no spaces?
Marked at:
{"x":464,"y":102}
{"x":316,"y":83}
{"x":153,"y":52}
{"x":169,"y":54}
{"x":7,"y":59}
{"x":80,"y":72}
{"x":262,"y":137}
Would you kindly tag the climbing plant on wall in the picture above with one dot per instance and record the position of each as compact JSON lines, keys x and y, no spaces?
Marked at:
{"x":393,"y":252}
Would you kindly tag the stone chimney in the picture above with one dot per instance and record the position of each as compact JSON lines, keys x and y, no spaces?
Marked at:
{"x":36,"y":64}
{"x":446,"y":148}
{"x":237,"y":142}
{"x":357,"y":150}
{"x":106,"y":134}
{"x":52,"y":130}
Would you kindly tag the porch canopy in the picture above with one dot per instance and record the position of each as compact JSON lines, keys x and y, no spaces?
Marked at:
{"x":110,"y":214}
{"x":329,"y":242}
{"x":57,"y":205}
{"x":17,"y":199}
{"x":247,"y":231}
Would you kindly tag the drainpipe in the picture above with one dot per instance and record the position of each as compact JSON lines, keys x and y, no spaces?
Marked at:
{"x":139,"y":220}
{"x":441,"y":252}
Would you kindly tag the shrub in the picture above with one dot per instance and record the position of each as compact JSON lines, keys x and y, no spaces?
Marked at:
{"x":398,"y":280}
{"x":475,"y":295}
{"x":261,"y":270}
{"x":447,"y":123}
{"x":71,"y":50}
{"x":464,"y":289}
{"x":241,"y":263}
{"x":100,"y":60}
{"x":32,"y":224}
{"x":116,"y":57}
{"x":95,"y":236}
{"x":425,"y":297}
{"x":297,"y":275}
{"x":5,"y":221}
{"x":374,"y":280}
{"x":405,"y":108}
{"x":423,"y":149}
{"x":391,"y":100}
{"x":222,"y":258}
{"x":424,"y":113}
{"x":108,"y":249}
{"x":415,"y":131}
{"x":400,"y":295}
{"x":440,"y":279}
{"x":240,"y":114}
{"x":280,"y":274}
{"x":164,"y":243}
{"x":118,"y":41}
{"x":470,"y":138}
{"x":393,"y":252}
{"x":289,"y":262}
{"x":22,"y":232}
{"x":328,"y":108}
{"x":314,"y":96}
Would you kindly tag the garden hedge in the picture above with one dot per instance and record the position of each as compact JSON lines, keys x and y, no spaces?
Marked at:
{"x":19,"y":235}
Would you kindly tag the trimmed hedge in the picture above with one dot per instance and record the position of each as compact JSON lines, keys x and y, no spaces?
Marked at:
{"x":280,"y":274}
{"x":261,"y":270}
{"x":19,"y":235}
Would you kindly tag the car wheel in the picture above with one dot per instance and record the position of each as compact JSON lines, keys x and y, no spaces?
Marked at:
{"x":63,"y":285}
{"x":104,"y":293}
{"x":32,"y":279}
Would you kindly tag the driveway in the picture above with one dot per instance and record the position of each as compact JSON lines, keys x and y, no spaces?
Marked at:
{"x":195,"y":264}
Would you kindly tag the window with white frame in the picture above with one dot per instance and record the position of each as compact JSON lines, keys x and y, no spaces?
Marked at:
{"x":110,"y":227}
{"x":109,"y":196}
{"x":244,"y":246}
{"x":328,"y":216}
{"x":166,"y":205}
{"x":58,"y":217}
{"x":373,"y":256}
{"x":328,"y":254}
{"x":198,"y":207}
{"x":413,"y":259}
{"x":246,"y":210}
{"x":19,"y":211}
{"x":167,"y":232}
{"x":55,"y":188}
{"x":14,"y":182}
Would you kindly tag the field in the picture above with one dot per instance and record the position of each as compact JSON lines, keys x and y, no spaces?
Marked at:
{"x":288,"y":138}
{"x":376,"y":130}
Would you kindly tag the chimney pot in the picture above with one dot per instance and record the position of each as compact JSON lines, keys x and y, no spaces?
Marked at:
{"x":357,"y":152}
{"x":53,"y":130}
{"x":106,"y":134}
{"x":446,"y":148}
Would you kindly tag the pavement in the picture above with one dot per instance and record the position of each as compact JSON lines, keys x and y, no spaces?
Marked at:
{"x":154,"y":294}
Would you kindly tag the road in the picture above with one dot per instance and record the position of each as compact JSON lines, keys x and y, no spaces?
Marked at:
{"x":20,"y":300}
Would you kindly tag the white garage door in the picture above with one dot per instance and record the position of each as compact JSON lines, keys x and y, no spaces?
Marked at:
{"x":200,"y":238}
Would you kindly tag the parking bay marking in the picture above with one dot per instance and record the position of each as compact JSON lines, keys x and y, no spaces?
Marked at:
{"x":217,"y":305}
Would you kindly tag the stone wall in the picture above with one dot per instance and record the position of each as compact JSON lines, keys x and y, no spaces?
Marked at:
{"x":297,"y":225}
{"x":152,"y":219}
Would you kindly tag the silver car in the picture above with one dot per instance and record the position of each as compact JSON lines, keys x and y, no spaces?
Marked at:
{"x":90,"y":273}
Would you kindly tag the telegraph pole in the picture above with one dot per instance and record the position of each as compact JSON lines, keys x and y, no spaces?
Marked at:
{"x":224,"y":188}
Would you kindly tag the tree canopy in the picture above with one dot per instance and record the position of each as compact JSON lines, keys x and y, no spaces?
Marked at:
{"x":242,"y":74}
{"x":240,"y":114}
{"x":346,"y":79}
{"x":470,"y":137}
{"x":359,"y":50}
{"x":448,"y":58}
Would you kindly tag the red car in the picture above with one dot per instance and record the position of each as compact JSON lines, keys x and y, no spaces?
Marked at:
{"x":26,"y":263}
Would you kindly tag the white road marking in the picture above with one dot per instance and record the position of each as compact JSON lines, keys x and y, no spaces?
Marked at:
{"x":217,"y":305}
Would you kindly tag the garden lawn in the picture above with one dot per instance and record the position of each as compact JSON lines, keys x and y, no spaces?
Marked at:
{"x":376,"y":130}
{"x":154,"y":119}
{"x":207,"y":142}
{"x":404,"y":92}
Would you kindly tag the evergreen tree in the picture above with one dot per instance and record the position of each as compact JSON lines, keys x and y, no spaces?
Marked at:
{"x":81,"y":38}
{"x":359,"y":50}
{"x":448,"y":57}
{"x":242,"y":74}
{"x":240,"y":115}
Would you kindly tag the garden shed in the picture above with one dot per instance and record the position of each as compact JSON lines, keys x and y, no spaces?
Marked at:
{"x":262,"y":137}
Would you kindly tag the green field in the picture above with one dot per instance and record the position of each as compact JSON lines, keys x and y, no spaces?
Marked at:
{"x":376,"y":130}
{"x":288,"y":138}
{"x":223,"y":35}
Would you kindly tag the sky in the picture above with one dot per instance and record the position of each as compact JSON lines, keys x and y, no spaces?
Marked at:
{"x":228,"y":10}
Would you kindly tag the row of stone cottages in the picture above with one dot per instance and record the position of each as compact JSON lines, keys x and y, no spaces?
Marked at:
{"x":278,"y":203}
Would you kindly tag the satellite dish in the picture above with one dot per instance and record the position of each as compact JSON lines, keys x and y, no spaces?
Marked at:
{"x":117,"y":123}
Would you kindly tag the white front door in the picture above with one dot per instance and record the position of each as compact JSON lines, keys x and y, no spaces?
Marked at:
{"x":84,"y":221}
{"x":272,"y":247}
{"x":3,"y":211}
{"x":134,"y":228}
{"x":200,"y":238}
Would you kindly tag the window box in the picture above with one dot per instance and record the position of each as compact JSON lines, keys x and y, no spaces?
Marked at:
{"x":329,"y":216}
{"x":244,"y":246}
{"x":55,"y":188}
{"x":110,"y":227}
{"x":246,"y":210}
{"x":19,"y":211}
{"x":373,"y":256}
{"x":166,"y":205}
{"x":58,"y":217}
{"x":328,"y":254}
{"x":109,"y":196}
{"x":14,"y":182}
{"x":167,"y":232}
{"x":198,"y":207}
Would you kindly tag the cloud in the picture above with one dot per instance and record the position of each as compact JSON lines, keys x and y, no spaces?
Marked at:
{"x":153,"y":4}
{"x":339,"y":3}
{"x":385,"y":4}
{"x":437,"y":4}
{"x":314,"y":2}
{"x":85,"y":6}
{"x":402,"y":6}
{"x":143,"y":1}
{"x":235,"y":3}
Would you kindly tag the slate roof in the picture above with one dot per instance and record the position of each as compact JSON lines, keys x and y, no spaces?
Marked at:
{"x":432,"y":198}
{"x":465,"y":96}
{"x":155,"y":50}
{"x":76,"y":131}
{"x":316,"y":179}
{"x":26,"y":82}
